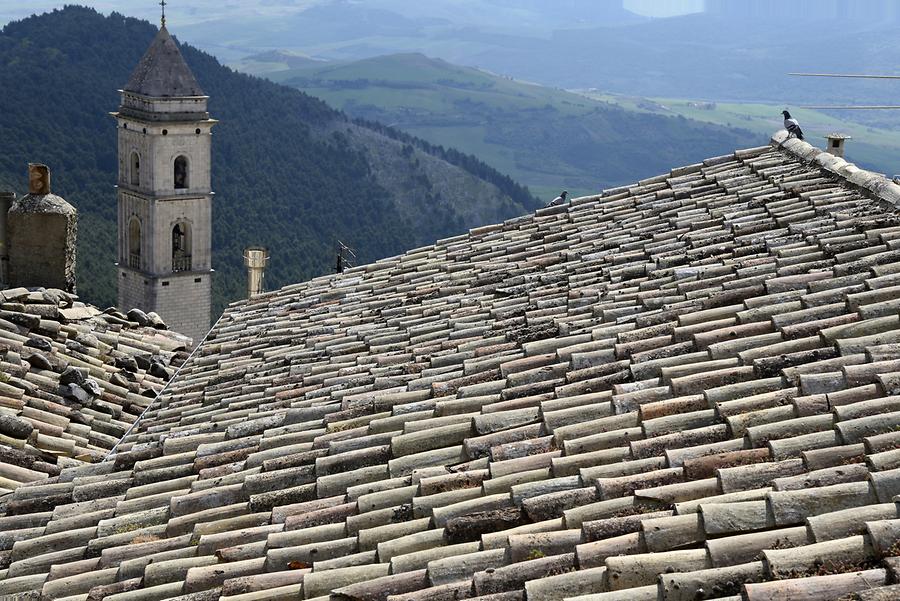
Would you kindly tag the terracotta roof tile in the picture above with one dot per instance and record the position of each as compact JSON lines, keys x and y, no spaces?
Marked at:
{"x":73,"y":381}
{"x":681,"y":387}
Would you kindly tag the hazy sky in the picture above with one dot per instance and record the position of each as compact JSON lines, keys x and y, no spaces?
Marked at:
{"x":664,"y":8}
{"x":183,"y":11}
{"x":191,"y":11}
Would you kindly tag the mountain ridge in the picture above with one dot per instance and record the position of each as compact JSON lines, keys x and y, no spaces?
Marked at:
{"x":547,"y":138}
{"x":290,"y":172}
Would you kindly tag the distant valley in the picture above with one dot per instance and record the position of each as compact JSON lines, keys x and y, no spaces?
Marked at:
{"x":739,"y":55}
{"x":546,"y":138}
{"x":424,"y":148}
{"x":875,"y":141}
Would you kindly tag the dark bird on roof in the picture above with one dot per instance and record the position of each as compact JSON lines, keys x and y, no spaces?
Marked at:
{"x":792,"y":125}
{"x":559,"y":199}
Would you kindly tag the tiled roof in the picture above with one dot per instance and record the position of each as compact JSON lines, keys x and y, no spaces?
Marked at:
{"x":72,"y":381}
{"x":680,"y":389}
{"x":162,"y":71}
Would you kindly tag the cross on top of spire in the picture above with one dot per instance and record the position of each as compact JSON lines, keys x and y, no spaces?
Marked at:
{"x":162,"y":3}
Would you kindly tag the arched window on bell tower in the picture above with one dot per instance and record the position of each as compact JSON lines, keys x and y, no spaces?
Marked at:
{"x":134,"y":243}
{"x":135,"y":169}
{"x":181,"y":247}
{"x":182,"y":175}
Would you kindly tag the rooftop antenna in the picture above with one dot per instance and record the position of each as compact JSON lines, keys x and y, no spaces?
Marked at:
{"x":345,"y":257}
{"x":874,"y":107}
{"x":162,"y":21}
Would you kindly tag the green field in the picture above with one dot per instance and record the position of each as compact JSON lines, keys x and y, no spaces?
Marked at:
{"x":546,"y":138}
{"x":444,"y":104}
{"x":875,"y":148}
{"x":550,"y":139}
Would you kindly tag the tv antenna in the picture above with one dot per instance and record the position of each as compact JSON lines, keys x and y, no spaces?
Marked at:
{"x":872,"y":107}
{"x":345,"y":257}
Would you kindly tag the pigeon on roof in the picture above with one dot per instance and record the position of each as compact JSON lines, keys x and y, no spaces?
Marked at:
{"x":792,"y":125}
{"x":559,"y":199}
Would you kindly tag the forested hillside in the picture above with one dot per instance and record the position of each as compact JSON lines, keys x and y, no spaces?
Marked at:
{"x":546,"y":138}
{"x":290,"y":173}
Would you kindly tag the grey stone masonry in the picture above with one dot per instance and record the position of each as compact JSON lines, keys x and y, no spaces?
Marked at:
{"x":41,"y":232}
{"x":6,"y":200}
{"x":164,"y":192}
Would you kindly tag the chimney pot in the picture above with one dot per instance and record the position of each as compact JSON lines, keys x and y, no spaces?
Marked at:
{"x":38,"y":179}
{"x":836,"y":144}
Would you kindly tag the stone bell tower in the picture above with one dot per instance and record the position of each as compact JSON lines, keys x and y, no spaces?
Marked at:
{"x":164,"y":193}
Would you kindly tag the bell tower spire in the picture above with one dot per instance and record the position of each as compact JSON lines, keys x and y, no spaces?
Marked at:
{"x":164,"y":190}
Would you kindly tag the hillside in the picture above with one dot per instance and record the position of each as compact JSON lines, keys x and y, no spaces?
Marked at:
{"x":875,"y":144}
{"x":546,"y":138}
{"x":290,"y":173}
{"x":718,"y":57}
{"x":743,"y":54}
{"x":352,"y":29}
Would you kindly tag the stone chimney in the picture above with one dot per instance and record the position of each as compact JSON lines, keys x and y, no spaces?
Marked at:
{"x":41,"y":231}
{"x":256,"y":258}
{"x":835,"y":144}
{"x":6,"y":201}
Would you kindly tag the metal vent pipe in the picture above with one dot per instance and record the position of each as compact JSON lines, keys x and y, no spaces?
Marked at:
{"x":255,"y":259}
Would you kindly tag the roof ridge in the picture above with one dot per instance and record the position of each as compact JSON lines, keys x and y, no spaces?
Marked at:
{"x":872,"y":183}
